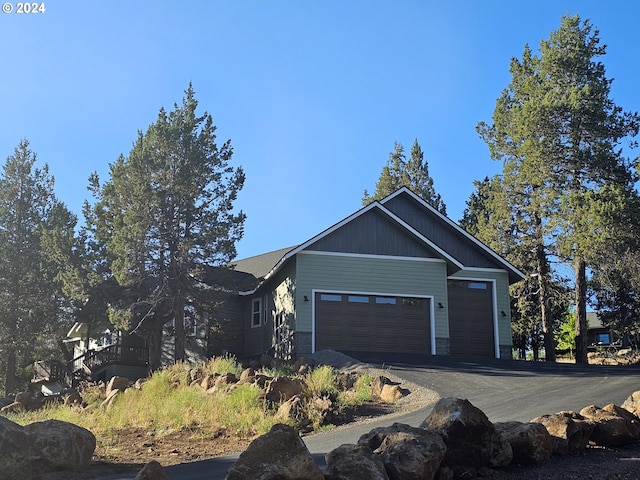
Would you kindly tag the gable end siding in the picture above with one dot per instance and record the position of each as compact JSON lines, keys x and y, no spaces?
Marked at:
{"x":372,"y":233}
{"x":440,"y":233}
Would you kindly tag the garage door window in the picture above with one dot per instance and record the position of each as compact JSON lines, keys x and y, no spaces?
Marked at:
{"x":385,"y":300}
{"x":478,"y":285}
{"x":358,"y":299}
{"x":327,"y":297}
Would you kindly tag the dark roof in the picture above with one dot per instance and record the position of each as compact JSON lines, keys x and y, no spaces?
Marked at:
{"x":260,"y":265}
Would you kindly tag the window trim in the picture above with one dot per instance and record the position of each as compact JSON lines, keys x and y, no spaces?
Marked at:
{"x":255,"y":312}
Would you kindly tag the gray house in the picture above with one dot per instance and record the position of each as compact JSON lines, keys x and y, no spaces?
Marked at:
{"x":395,"y":276}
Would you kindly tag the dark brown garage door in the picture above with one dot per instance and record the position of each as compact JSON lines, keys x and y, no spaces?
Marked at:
{"x":371,"y":323}
{"x":470,"y":318}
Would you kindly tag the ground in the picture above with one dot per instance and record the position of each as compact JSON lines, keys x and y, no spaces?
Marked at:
{"x":135,"y":447}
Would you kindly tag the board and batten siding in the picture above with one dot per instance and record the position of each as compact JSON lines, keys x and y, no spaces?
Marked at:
{"x":317,"y":271}
{"x":501,"y":302}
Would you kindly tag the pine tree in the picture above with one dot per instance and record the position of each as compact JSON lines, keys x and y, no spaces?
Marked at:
{"x":412,"y":173}
{"x":557,"y":130}
{"x":164,"y":216}
{"x":36,"y":237}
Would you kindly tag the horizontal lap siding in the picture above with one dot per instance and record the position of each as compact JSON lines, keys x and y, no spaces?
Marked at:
{"x":372,"y":275}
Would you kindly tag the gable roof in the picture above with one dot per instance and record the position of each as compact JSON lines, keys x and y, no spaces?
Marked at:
{"x":264,"y":266}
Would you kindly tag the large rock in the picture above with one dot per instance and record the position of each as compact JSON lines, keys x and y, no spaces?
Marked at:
{"x":613,"y":427}
{"x":117,"y":383}
{"x":152,"y":471}
{"x":281,"y":389}
{"x":632,"y":403}
{"x":43,"y":447}
{"x":408,"y":453}
{"x":570,"y":431}
{"x":530,"y":442}
{"x":471,"y":439}
{"x":354,"y":462}
{"x":279,"y":454}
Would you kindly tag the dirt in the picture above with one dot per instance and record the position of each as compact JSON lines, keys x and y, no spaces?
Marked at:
{"x":133,"y":448}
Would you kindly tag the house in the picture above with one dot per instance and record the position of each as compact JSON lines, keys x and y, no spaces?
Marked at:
{"x":394,"y":276}
{"x":97,"y":356}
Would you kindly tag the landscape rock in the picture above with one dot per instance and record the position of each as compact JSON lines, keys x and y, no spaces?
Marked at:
{"x":292,"y":409}
{"x":570,"y":431}
{"x":43,"y":447}
{"x":248,"y":375}
{"x":471,"y":439}
{"x":354,"y":462}
{"x":117,"y":383}
{"x":281,"y":389}
{"x":408,"y":453}
{"x":391,"y":393}
{"x":610,"y":428}
{"x":152,"y":471}
{"x":73,"y":399}
{"x":24,"y":398}
{"x":632,"y":403}
{"x":278,"y":454}
{"x":209,"y":381}
{"x":530,"y":442}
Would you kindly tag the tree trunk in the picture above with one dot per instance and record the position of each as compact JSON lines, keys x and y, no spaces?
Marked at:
{"x":178,"y":316}
{"x":154,"y":343}
{"x":10,"y":373}
{"x":581,"y":309}
{"x":543,"y":296}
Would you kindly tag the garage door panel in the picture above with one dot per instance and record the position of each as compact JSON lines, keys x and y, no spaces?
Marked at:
{"x":471,"y":318}
{"x":372,"y":323}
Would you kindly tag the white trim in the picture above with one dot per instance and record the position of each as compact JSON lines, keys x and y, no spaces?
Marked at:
{"x":431,"y":298}
{"x":494,"y":306}
{"x":373,"y":256}
{"x":457,"y":227}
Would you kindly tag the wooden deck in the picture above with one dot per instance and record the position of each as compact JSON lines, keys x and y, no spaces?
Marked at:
{"x":89,"y":364}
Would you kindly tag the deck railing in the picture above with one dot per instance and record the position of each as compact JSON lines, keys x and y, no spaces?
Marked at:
{"x":89,"y":363}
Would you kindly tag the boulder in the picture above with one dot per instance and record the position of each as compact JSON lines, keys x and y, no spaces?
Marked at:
{"x":378,"y":382}
{"x":43,"y":447}
{"x":281,"y":389}
{"x":569,"y":431}
{"x":530,"y":442}
{"x":152,"y":471}
{"x":117,"y":383}
{"x":632,"y":403}
{"x":391,"y":393}
{"x":24,"y":398}
{"x":354,"y":462}
{"x":248,"y":375}
{"x":292,"y":409}
{"x":610,"y":428}
{"x":471,"y":439}
{"x":408,"y":453}
{"x":278,"y":454}
{"x":208,"y":381}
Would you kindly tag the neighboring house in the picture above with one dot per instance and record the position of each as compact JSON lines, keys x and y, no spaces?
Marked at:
{"x":395,"y":276}
{"x":597,"y":334}
{"x":97,"y":356}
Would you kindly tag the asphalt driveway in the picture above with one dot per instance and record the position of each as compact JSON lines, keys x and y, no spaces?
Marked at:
{"x":503,"y":389}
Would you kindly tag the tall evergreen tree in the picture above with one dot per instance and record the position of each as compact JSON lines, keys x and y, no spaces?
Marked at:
{"x":556,"y":127}
{"x":165,"y":215}
{"x":36,"y":237}
{"x":412,"y":173}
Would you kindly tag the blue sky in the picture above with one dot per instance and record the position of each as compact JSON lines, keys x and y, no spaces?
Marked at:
{"x":313,"y":95}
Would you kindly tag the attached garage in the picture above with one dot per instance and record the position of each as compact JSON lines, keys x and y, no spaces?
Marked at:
{"x":471,"y":317}
{"x":372,"y":323}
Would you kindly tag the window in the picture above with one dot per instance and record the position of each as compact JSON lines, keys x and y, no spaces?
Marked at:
{"x":385,"y":300}
{"x":265,"y":311}
{"x":412,"y":302}
{"x":256,"y":312}
{"x":327,"y":297}
{"x":478,"y":285}
{"x":358,"y":299}
{"x":603,"y":338}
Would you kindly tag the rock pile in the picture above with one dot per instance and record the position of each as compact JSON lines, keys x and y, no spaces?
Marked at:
{"x":455,"y":441}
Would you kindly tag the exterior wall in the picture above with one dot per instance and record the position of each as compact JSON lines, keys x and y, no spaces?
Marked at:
{"x":226,"y":327}
{"x":279,"y":295}
{"x":367,"y":274}
{"x":501,"y":303}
